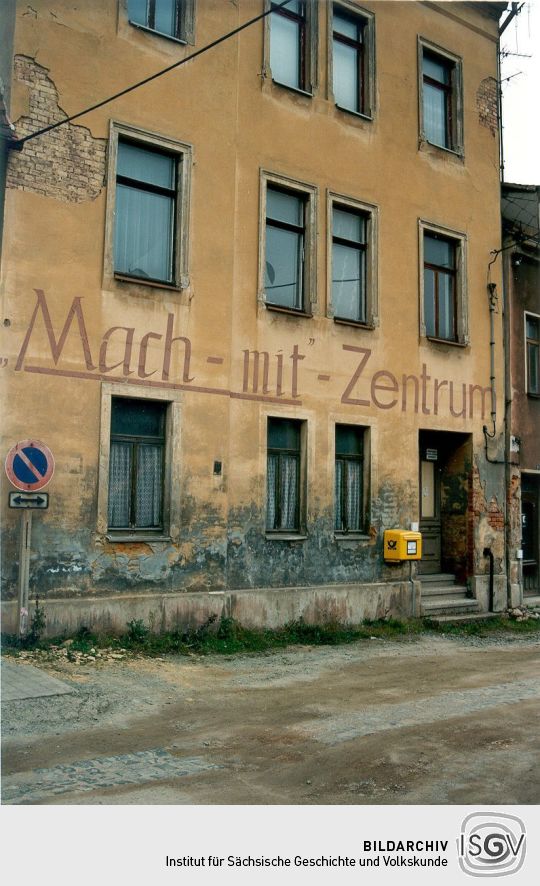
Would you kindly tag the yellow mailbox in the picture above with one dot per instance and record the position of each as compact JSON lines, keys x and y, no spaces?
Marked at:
{"x":402,"y":544}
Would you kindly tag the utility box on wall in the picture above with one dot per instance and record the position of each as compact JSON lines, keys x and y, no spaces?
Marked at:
{"x":402,"y":544}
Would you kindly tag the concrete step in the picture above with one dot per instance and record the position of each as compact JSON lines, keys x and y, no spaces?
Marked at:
{"x":448,"y":606}
{"x":446,"y":591}
{"x":438,"y":578}
{"x":463,"y":618}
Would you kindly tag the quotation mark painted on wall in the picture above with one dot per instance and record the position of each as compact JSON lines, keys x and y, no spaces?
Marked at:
{"x":3,"y":362}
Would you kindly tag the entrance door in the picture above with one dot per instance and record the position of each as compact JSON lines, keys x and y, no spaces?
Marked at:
{"x":430,"y":516}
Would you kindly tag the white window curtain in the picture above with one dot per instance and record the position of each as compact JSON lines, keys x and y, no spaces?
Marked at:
{"x":289,"y":492}
{"x":149,"y":485}
{"x":119,"y":484}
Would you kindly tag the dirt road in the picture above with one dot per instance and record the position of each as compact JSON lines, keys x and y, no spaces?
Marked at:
{"x":430,"y":720}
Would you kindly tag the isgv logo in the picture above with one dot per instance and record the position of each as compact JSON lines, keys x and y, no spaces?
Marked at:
{"x":491,"y":844}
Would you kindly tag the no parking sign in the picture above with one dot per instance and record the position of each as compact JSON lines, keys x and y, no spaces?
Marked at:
{"x":29,"y":465}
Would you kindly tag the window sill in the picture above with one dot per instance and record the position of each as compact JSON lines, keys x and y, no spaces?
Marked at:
{"x":453,"y":152}
{"x":358,"y":114}
{"x":291,"y":311}
{"x":294,"y":89}
{"x":135,"y":537}
{"x":148,"y":30}
{"x":447,"y":341}
{"x":351,"y":536}
{"x":146,"y":281}
{"x":357,"y":323}
{"x":285,"y":536}
{"x":533,"y":396}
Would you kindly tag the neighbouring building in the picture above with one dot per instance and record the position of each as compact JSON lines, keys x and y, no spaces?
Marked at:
{"x":248,"y":306}
{"x":521,"y":241}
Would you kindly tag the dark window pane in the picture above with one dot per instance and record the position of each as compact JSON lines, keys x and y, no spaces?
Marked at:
{"x":137,"y":418}
{"x":439,"y":252}
{"x":435,"y":115}
{"x":138,"y":11}
{"x":345,"y":76}
{"x":348,"y":283}
{"x":436,"y":69}
{"x":166,"y":16}
{"x":283,"y":434}
{"x":285,"y":57}
{"x":285,"y":207}
{"x":142,"y":165}
{"x":284,"y":265}
{"x":347,"y":26}
{"x":349,"y":226}
{"x":446,"y":306}
{"x":429,"y":301}
{"x":143,"y":240}
{"x":533,"y":368}
{"x":533,"y":328}
{"x":349,"y":440}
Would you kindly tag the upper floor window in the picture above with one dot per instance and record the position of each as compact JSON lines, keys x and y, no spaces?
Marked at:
{"x":532,"y":335}
{"x":171,"y":18}
{"x":136,"y":464}
{"x":292,"y":35}
{"x":443,"y":310}
{"x":441,"y":104}
{"x":146,"y":188}
{"x":148,"y":208}
{"x":352,"y":261}
{"x":440,"y":272}
{"x":352,"y":59}
{"x":349,"y":247}
{"x":288,"y":247}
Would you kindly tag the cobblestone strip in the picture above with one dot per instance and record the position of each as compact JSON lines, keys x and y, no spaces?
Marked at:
{"x":379,"y":718}
{"x":104,"y":772}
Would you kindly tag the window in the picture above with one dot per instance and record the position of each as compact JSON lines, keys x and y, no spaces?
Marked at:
{"x":291,"y":34}
{"x":349,"y":479}
{"x":288,"y":244}
{"x":532,"y":336}
{"x":136,"y":464}
{"x":147,"y":209}
{"x":441,"y":103}
{"x":170,"y":18}
{"x":283,"y":475}
{"x":144,"y":234}
{"x":349,"y":246}
{"x":352,"y":59}
{"x":352,"y":261}
{"x":443,"y":292}
{"x":440,"y":287}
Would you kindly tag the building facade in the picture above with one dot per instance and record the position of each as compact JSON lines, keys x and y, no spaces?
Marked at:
{"x":246,"y":307}
{"x":521,"y":263}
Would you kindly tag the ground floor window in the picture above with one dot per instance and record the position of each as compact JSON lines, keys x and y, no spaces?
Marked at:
{"x":349,"y":479}
{"x":283,"y":475}
{"x":136,"y":464}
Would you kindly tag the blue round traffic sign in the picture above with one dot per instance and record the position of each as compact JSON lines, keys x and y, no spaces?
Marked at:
{"x":29,"y":465}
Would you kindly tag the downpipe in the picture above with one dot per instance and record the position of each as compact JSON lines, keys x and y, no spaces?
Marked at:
{"x":491,"y":602}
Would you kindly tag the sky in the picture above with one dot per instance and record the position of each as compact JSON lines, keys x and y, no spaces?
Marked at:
{"x":521,"y":97}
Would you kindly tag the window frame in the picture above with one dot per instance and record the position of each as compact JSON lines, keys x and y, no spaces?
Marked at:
{"x":299,"y":531}
{"x":351,"y":10}
{"x":183,"y":154}
{"x":370,"y":213}
{"x":536,"y":342}
{"x":171,"y":479}
{"x":185,"y":21}
{"x":460,"y":292}
{"x":308,"y":48}
{"x":308,"y":194}
{"x":454,"y":111}
{"x":358,"y":459}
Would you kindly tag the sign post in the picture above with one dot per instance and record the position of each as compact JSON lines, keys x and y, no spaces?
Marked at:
{"x":29,"y":467}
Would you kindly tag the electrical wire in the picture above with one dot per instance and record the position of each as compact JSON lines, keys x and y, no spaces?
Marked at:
{"x":18,"y":144}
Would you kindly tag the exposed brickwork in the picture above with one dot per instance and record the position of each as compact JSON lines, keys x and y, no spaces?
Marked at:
{"x":486,"y":526}
{"x":487,"y":104}
{"x":67,"y":164}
